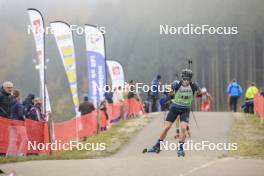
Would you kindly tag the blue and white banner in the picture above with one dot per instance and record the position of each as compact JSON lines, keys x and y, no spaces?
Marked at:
{"x":95,"y":52}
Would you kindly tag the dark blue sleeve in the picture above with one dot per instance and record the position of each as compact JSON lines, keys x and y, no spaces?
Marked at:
{"x":174,"y":85}
{"x":20,"y":109}
{"x":195,"y":86}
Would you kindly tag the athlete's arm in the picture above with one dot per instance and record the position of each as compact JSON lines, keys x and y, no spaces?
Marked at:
{"x":199,"y":92}
{"x":197,"y":89}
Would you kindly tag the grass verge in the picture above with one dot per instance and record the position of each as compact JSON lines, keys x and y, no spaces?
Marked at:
{"x":114,"y":138}
{"x":248,"y":132}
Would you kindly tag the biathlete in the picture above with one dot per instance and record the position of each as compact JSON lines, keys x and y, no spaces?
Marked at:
{"x":181,"y":105}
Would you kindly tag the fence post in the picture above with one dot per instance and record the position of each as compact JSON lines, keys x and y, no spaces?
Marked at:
{"x":51,"y":131}
{"x":98,"y":118}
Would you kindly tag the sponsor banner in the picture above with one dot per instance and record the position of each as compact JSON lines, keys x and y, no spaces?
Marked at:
{"x":95,"y":52}
{"x":37,"y":27}
{"x":63,"y":37}
{"x":116,"y":73}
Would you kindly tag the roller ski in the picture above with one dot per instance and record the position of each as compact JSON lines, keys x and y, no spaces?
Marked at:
{"x":154,"y":149}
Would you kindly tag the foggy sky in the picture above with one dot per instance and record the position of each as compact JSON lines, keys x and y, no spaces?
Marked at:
{"x":132,"y":37}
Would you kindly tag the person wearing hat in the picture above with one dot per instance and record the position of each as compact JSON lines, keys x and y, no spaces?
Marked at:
{"x":181,"y":106}
{"x":86,"y":107}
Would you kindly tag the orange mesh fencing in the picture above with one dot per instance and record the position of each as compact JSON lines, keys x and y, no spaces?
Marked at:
{"x":259,"y":105}
{"x":16,"y":135}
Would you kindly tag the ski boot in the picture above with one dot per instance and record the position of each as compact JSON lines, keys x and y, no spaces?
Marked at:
{"x":154,"y":149}
{"x":180,"y":151}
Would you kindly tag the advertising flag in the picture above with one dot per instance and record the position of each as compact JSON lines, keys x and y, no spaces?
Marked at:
{"x":63,"y":37}
{"x":116,"y":73}
{"x":95,"y":52}
{"x":37,"y":28}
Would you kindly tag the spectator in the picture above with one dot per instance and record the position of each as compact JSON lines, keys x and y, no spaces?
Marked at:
{"x":35,"y":112}
{"x":262,"y":92}
{"x":86,"y":107}
{"x":250,"y":93}
{"x":154,"y":95}
{"x":234,"y":91}
{"x":6,"y":99}
{"x":125,"y":92}
{"x":108,"y":95}
{"x":162,"y":100}
{"x":17,"y":107}
{"x":131,"y":98}
{"x":118,"y":95}
{"x":206,"y":100}
{"x":131,"y":89}
{"x":103,"y":108}
{"x":28,"y":103}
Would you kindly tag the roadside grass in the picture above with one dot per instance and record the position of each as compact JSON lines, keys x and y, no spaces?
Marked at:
{"x":114,"y":138}
{"x":248,"y":132}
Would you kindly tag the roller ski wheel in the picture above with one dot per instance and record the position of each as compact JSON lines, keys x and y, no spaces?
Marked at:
{"x":181,"y":153}
{"x":151,"y":150}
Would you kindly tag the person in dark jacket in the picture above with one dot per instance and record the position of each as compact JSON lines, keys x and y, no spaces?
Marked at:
{"x":154,"y":95}
{"x":17,"y":107}
{"x":35,"y":112}
{"x":108,"y":95}
{"x":6,"y":99}
{"x":28,"y":103}
{"x":86,"y":107}
{"x":103,"y":107}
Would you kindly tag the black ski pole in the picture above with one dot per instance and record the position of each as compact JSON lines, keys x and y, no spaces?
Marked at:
{"x":195,"y":120}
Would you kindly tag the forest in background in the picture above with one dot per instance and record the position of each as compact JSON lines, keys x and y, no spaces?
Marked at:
{"x":133,"y":39}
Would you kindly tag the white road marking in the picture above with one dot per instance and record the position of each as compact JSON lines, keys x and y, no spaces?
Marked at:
{"x":203,"y":166}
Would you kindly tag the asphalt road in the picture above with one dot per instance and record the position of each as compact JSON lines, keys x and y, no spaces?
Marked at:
{"x":214,"y":127}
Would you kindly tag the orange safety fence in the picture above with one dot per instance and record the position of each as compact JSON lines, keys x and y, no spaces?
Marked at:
{"x":259,"y":105}
{"x":15,"y":135}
